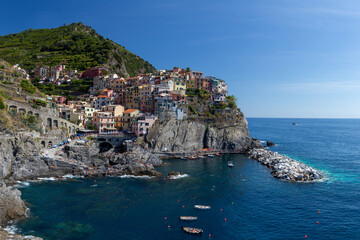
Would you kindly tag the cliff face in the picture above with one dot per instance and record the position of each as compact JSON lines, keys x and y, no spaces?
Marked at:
{"x":229,"y":132}
{"x":20,"y":155}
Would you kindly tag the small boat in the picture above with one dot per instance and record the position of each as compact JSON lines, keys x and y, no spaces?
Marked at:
{"x":202,"y":207}
{"x":294,"y":123}
{"x":230,"y":164}
{"x":202,"y":157}
{"x":192,"y":230}
{"x":183,"y":158}
{"x":187,"y":218}
{"x":218,"y":154}
{"x":211,"y":156}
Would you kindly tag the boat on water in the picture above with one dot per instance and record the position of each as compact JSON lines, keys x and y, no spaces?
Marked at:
{"x":211,"y":155}
{"x":187,"y":218}
{"x":218,"y":154}
{"x":183,"y":158}
{"x":202,"y":157}
{"x":230,"y":164}
{"x":192,"y":230}
{"x":294,"y":124}
{"x":202,"y":207}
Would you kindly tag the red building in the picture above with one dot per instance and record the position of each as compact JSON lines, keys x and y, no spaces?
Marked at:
{"x":90,"y":73}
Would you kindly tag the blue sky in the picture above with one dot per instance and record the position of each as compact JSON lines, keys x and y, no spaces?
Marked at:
{"x":281,"y":58}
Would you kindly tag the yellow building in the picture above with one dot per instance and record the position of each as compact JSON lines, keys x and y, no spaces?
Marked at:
{"x":127,"y":117}
{"x":179,"y":84}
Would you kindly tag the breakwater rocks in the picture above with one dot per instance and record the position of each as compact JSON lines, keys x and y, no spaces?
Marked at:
{"x":283,"y":167}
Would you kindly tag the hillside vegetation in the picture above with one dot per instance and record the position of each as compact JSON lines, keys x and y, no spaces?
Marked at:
{"x":14,"y":87}
{"x":77,"y":46}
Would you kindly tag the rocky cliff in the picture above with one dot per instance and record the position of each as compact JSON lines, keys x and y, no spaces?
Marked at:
{"x":20,"y":156}
{"x":228,"y":132}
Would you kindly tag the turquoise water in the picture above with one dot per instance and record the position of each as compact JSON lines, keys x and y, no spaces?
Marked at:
{"x":254,"y":204}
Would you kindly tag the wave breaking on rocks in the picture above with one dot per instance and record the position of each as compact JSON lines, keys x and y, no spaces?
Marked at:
{"x":285,"y":168}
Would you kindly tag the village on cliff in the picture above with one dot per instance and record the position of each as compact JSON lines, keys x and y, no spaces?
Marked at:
{"x":115,"y":104}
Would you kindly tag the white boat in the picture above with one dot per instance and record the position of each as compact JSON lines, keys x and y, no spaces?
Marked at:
{"x":211,"y":155}
{"x":202,"y":157}
{"x":202,"y":207}
{"x":230,"y":164}
{"x":187,"y":218}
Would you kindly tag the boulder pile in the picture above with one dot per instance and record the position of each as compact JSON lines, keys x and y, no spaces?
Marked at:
{"x":283,"y":167}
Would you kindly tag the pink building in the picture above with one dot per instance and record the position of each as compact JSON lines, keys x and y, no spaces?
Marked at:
{"x":142,"y":125}
{"x":104,"y":122}
{"x":59,"y":99}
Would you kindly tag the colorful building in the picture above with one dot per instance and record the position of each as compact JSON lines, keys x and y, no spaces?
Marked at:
{"x":128,"y":115}
{"x":117,"y":110}
{"x":104,"y":122}
{"x":93,"y":72}
{"x":101,"y":101}
{"x":141,"y":125}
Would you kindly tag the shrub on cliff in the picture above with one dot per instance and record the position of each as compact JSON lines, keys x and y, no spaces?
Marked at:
{"x":27,"y":86}
{"x":231,"y":100}
{"x":2,"y":105}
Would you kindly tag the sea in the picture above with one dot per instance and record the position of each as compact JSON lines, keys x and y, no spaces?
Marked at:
{"x":246,"y":201}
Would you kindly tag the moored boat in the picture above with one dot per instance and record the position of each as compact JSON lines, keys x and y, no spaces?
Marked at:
{"x":192,"y":230}
{"x":218,"y":154}
{"x":202,"y":157}
{"x":211,"y":155}
{"x":187,"y":218}
{"x":202,"y":207}
{"x":230,"y":164}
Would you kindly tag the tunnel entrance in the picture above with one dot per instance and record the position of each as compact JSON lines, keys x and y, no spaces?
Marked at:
{"x":105,"y":146}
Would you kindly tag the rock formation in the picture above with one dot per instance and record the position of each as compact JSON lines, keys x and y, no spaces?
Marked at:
{"x":177,"y":136}
{"x":12,"y":207}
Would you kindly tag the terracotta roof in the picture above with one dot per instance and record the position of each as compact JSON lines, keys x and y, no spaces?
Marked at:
{"x":130,"y":110}
{"x":103,"y":96}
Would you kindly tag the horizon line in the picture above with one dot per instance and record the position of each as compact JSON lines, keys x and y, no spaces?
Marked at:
{"x":309,"y":117}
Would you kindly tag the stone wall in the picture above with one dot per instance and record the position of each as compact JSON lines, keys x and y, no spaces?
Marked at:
{"x":49,"y":116}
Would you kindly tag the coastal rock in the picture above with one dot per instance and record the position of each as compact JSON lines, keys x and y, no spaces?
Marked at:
{"x":6,"y":235}
{"x":270,"y":144}
{"x":175,"y":175}
{"x":137,"y":161}
{"x":12,"y":207}
{"x":283,"y":167}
